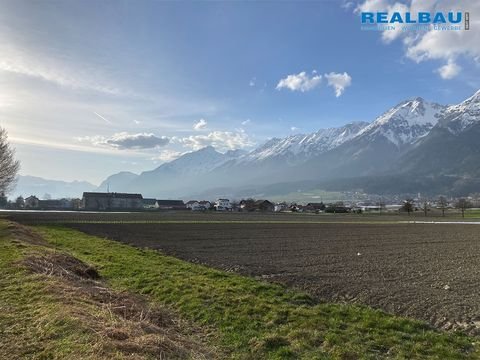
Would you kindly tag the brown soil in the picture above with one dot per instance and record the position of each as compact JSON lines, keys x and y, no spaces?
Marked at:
{"x":425,"y":271}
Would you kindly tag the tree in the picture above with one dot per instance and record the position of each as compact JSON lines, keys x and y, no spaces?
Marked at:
{"x":8,"y":165}
{"x":47,"y":196}
{"x":3,"y":200}
{"x":19,"y":202}
{"x":442,"y":204}
{"x":425,"y":207}
{"x":381,"y":205}
{"x":463,"y":204}
{"x":408,"y":206}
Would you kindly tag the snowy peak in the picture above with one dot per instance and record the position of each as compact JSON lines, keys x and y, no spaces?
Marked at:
{"x":405,"y":123}
{"x":458,"y":118}
{"x":301,"y":147}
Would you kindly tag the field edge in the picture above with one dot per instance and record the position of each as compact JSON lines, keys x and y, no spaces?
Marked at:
{"x":256,"y":319}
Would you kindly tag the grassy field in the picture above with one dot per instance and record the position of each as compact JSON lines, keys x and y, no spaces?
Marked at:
{"x":51,"y":308}
{"x":472,"y":214}
{"x":32,"y":322}
{"x":245,"y":318}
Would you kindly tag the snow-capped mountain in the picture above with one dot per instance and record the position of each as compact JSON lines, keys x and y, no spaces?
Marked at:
{"x":300,"y":147}
{"x":413,"y":141}
{"x":401,"y":125}
{"x":451,"y":148}
{"x":458,"y":118}
{"x":377,"y":146}
{"x":405,"y":123}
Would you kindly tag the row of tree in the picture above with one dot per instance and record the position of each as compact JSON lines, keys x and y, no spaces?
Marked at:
{"x":442,"y":204}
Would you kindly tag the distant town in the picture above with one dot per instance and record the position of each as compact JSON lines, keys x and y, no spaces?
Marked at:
{"x":113,"y":201}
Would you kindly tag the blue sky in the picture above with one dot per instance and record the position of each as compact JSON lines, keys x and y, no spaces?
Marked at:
{"x":90,"y":88}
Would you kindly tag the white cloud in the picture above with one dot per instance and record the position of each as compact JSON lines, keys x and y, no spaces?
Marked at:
{"x":449,"y":71}
{"x":125,"y":140}
{"x":339,"y":82}
{"x":137,"y":122}
{"x":246,"y":122}
{"x":373,"y":6}
{"x":221,"y":140}
{"x":167,"y":155}
{"x":36,"y":65}
{"x":391,"y":35}
{"x":200,"y":125}
{"x":252,"y":82}
{"x":434,"y":44}
{"x":294,"y":128}
{"x":300,"y":82}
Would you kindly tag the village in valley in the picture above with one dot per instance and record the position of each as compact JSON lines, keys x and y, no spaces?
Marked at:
{"x":113,"y":201}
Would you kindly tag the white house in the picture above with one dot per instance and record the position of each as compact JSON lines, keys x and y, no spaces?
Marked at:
{"x":192,"y":204}
{"x":223,"y":205}
{"x":280,"y":207}
{"x":150,"y":204}
{"x":195,"y":205}
{"x":206,"y":204}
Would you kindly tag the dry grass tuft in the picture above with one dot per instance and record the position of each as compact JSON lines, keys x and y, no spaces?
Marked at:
{"x":121,"y":323}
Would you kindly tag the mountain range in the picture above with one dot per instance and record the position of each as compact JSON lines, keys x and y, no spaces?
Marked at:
{"x":415,"y":146}
{"x":44,"y":188}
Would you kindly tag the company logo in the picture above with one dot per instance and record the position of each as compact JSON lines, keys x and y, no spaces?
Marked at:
{"x":415,"y":21}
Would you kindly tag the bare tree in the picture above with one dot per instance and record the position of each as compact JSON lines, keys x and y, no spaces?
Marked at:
{"x":8,"y":165}
{"x":463,"y":204}
{"x":442,"y":204}
{"x":425,"y":207}
{"x":408,"y":206}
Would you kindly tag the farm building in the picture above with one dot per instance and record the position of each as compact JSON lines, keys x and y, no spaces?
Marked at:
{"x":316,"y":207}
{"x":31,"y":202}
{"x":256,"y":205}
{"x":111,"y":201}
{"x":150,"y":204}
{"x":171,"y":205}
{"x":61,"y":204}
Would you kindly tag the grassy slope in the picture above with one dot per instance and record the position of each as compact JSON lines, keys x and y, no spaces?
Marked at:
{"x":33,"y":324}
{"x":48,"y":317}
{"x":259,"y":320}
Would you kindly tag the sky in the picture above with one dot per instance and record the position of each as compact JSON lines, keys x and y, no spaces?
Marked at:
{"x":91,"y":88}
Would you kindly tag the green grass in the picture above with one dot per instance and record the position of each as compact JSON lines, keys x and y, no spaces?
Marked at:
{"x":33,"y":323}
{"x":256,"y":320}
{"x":472,"y":214}
{"x":54,"y":317}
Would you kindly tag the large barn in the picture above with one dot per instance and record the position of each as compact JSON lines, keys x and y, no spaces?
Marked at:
{"x":111,"y":201}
